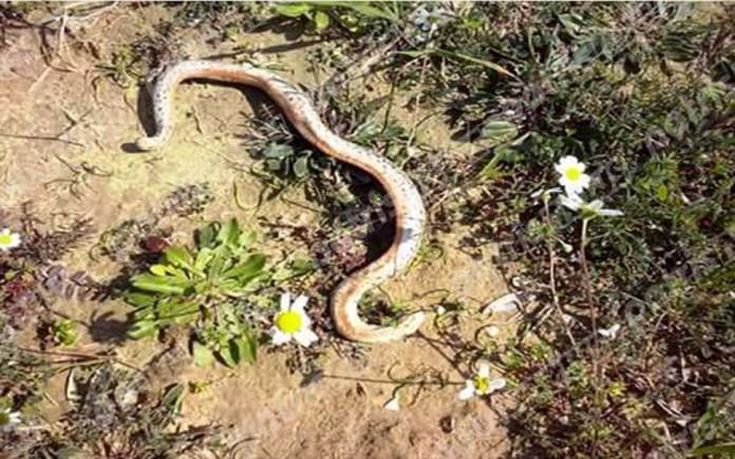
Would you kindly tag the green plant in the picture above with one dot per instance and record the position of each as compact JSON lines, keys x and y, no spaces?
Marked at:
{"x":354,"y":17}
{"x":64,"y":332}
{"x":201,"y":285}
{"x":214,"y":288}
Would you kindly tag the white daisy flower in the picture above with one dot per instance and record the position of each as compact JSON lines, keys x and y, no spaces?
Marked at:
{"x":481,"y":385}
{"x":291,"y":322}
{"x":573,"y":178}
{"x":394,"y":404}
{"x":8,"y":240}
{"x":588,"y":209}
{"x":8,"y":418}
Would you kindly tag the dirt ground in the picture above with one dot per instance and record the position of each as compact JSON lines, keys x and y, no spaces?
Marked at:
{"x":337,"y":417}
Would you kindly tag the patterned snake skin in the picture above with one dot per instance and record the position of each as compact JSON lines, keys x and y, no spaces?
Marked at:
{"x":409,"y":209}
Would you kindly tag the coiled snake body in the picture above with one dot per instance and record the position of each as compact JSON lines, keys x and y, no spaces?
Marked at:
{"x":409,"y":210}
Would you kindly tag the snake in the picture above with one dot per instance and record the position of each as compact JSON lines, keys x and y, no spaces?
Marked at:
{"x":408,"y":208}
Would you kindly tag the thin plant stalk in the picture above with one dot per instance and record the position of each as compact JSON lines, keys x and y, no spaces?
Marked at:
{"x":552,"y":279}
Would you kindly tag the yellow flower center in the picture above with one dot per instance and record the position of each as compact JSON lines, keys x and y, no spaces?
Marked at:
{"x":482,"y":385}
{"x":573,"y":174}
{"x":4,"y":418}
{"x":289,"y":322}
{"x":5,"y":240}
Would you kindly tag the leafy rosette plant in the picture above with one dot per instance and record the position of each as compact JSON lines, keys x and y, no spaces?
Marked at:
{"x":202,"y":286}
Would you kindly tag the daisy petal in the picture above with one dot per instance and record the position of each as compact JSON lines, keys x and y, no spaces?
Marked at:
{"x":497,"y":384}
{"x":483,"y":370}
{"x":564,"y":163}
{"x":571,"y":201}
{"x":285,"y":301}
{"x":611,"y":213}
{"x":468,"y":392}
{"x":595,"y":205}
{"x":278,"y":337}
{"x":299,"y":303}
{"x":305,"y":337}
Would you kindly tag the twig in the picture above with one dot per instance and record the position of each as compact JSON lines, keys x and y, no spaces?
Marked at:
{"x":394,"y":381}
{"x":82,"y":355}
{"x":41,"y":137}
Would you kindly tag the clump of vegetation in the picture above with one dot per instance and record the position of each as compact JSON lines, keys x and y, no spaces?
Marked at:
{"x":636,"y":91}
{"x":213,"y":287}
{"x":136,"y":238}
{"x":356,"y":19}
{"x":113,"y":415}
{"x":24,"y":268}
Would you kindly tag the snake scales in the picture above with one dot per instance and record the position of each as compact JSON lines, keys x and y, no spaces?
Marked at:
{"x":409,"y":210}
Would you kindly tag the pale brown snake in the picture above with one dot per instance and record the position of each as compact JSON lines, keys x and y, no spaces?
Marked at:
{"x":409,"y":209}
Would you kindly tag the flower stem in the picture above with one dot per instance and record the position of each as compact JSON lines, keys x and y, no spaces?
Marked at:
{"x":552,"y":280}
{"x":587,"y":281}
{"x":593,"y":317}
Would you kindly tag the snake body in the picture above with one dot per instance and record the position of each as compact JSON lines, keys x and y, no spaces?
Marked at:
{"x":409,"y":210}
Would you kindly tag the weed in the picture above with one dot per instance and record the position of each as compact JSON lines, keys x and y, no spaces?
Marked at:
{"x":125,"y":241}
{"x":64,"y":332}
{"x":210,"y":286}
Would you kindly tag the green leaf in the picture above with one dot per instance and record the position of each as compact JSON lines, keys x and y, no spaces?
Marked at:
{"x":277,"y":151}
{"x":206,"y":236}
{"x":293,"y":10}
{"x":173,"y":398}
{"x":217,"y":264}
{"x":301,"y":266}
{"x":273,"y":165}
{"x":498,"y":132}
{"x":229,"y":232}
{"x":203,"y":258}
{"x":572,"y":23}
{"x":367,"y":10}
{"x":321,"y":21}
{"x":151,"y":283}
{"x":158,"y":270}
{"x":721,"y":449}
{"x":229,"y":355}
{"x":142,"y":300}
{"x":176,"y":312}
{"x":144,"y":314}
{"x":142,"y":329}
{"x":591,"y":49}
{"x":250,"y":268}
{"x":178,"y":256}
{"x":203,"y":356}
{"x":492,"y":170}
{"x":247,"y":239}
{"x":301,"y":167}
{"x":246,"y":348}
{"x":361,"y":8}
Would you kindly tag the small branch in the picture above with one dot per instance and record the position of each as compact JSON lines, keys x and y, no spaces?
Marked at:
{"x":81,"y":355}
{"x":41,"y":137}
